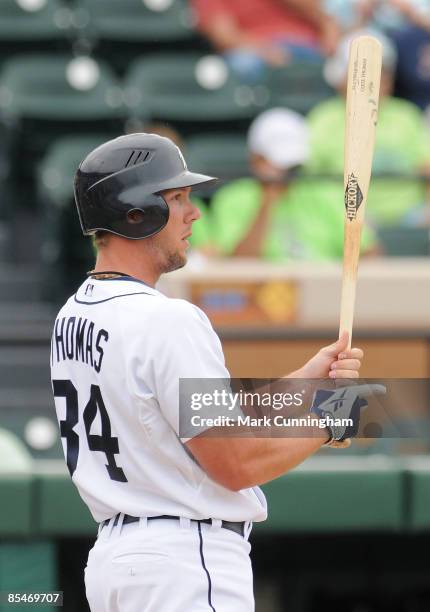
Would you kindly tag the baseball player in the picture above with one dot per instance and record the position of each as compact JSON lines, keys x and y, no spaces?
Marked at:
{"x":174,"y":515}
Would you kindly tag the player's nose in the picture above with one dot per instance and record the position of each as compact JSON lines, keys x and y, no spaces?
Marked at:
{"x":194,"y":212}
{"x":197,"y":213}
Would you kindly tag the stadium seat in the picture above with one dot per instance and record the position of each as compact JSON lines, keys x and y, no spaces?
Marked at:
{"x":26,"y":404}
{"x":405,"y":241}
{"x":124,"y":30}
{"x":33,"y":25}
{"x":43,"y":97}
{"x":190,"y":91}
{"x":57,"y":169}
{"x":4,"y":173}
{"x":300,"y":86}
{"x":66,"y":253}
{"x":223,"y":155}
{"x":59,"y":87}
{"x":14,"y":456}
{"x":139,"y":20}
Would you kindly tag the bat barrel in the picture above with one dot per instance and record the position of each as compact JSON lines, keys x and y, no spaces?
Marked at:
{"x":364,"y":77}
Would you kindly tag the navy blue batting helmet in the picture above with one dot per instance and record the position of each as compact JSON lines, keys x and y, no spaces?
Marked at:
{"x":125,"y":175}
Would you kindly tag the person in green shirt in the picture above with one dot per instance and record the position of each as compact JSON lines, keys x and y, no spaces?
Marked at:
{"x":277,"y":214}
{"x":402,"y":148}
{"x":201,"y":238}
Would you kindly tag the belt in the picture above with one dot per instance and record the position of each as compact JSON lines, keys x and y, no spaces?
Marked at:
{"x":238,"y":528}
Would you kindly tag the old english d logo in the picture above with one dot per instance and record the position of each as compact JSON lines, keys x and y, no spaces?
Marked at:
{"x":353,"y":197}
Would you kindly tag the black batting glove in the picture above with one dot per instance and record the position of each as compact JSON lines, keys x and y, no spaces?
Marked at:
{"x":340,"y":409}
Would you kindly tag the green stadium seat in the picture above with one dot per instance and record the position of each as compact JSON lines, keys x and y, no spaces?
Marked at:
{"x":190,"y":91}
{"x":300,"y":86}
{"x":35,"y":427}
{"x":39,"y":21}
{"x":66,"y":253}
{"x":14,"y":456}
{"x":59,"y":87}
{"x":4,"y":173}
{"x":45,"y":96}
{"x":31,"y":25}
{"x":223,"y":155}
{"x":124,"y":30}
{"x":57,"y":169}
{"x":139,"y":20}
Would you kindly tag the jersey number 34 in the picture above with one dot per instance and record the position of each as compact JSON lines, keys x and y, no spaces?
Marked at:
{"x":105,"y":443}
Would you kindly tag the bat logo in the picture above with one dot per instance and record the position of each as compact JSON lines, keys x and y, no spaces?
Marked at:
{"x":374,"y":111}
{"x":353,"y":197}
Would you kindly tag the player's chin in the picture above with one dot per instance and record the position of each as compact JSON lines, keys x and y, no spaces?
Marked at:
{"x":182,"y":254}
{"x":181,"y":257}
{"x":175,"y":261}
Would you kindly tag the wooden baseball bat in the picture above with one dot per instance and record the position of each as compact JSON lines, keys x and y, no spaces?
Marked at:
{"x":364,"y":78}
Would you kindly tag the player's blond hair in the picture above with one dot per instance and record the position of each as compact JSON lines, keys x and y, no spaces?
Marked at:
{"x":100,"y":239}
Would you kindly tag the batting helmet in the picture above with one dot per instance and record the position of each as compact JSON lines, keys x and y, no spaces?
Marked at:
{"x":127,"y":174}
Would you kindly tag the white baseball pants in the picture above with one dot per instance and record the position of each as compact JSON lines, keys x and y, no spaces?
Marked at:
{"x":169,"y":566}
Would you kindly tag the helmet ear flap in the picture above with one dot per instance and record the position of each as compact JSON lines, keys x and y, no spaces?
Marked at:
{"x":135,"y":216}
{"x":147,"y":219}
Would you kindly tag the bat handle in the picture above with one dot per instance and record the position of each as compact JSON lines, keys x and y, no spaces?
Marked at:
{"x":347,"y":305}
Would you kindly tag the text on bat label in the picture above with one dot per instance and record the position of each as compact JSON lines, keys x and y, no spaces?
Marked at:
{"x":353,"y":197}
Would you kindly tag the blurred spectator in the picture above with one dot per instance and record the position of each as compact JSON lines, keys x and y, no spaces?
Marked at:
{"x":253,"y":34}
{"x":276,"y":214}
{"x":350,"y":14}
{"x":387,"y":15}
{"x":413,"y":69}
{"x":408,"y":24}
{"x":394,"y":15}
{"x":402,"y":141}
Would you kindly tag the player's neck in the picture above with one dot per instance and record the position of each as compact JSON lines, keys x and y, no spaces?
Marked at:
{"x":137,"y":269}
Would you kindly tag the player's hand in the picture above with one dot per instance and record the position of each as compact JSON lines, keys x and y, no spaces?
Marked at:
{"x":334,"y":361}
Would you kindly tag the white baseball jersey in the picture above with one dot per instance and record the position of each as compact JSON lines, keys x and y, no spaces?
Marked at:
{"x":118,"y":351}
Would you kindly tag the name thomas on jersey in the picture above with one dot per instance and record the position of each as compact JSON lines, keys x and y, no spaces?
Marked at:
{"x":79,"y":340}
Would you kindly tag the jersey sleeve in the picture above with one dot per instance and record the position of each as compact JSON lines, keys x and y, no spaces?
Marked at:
{"x":186,"y":348}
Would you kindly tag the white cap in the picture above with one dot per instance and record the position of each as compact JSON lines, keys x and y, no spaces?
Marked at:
{"x":281,"y":136}
{"x":336,"y":67}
